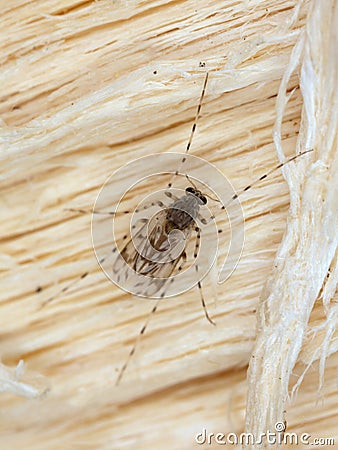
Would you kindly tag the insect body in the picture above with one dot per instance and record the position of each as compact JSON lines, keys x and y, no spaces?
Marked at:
{"x":159,"y":247}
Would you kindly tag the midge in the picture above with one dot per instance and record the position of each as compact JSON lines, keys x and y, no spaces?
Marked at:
{"x":157,"y":248}
{"x":153,"y":251}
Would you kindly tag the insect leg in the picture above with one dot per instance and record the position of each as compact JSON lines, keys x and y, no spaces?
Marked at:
{"x":149,"y":205}
{"x":88,"y":211}
{"x":198,"y":238}
{"x":197,"y":113}
{"x":171,"y":195}
{"x":203,"y":302}
{"x":115,"y":213}
{"x":204,"y":220}
{"x":133,"y":349}
{"x":193,"y":127}
{"x":184,"y":257}
{"x":63,"y":290}
{"x":77,"y":280}
{"x":71,"y":284}
{"x":262,"y":177}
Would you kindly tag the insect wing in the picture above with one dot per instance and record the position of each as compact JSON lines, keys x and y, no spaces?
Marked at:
{"x":150,"y":257}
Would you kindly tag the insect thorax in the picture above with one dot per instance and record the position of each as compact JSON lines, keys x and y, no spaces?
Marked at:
{"x":183,"y":212}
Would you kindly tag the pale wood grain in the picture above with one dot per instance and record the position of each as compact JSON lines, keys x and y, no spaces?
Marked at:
{"x":85,"y":88}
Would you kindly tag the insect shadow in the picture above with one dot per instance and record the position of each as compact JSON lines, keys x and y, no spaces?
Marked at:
{"x":157,"y":250}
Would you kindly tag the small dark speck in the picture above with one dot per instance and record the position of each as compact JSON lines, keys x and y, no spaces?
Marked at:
{"x":38,"y":289}
{"x":155,"y":72}
{"x":15,"y":107}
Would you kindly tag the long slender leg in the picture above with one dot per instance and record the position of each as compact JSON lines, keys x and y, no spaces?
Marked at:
{"x":193,"y":128}
{"x":133,"y":349}
{"x":205,"y":221}
{"x":77,"y":280}
{"x":70,"y":285}
{"x":113,"y":213}
{"x":171,"y":195}
{"x":262,"y":177}
{"x":197,"y":113}
{"x":197,"y":244}
{"x":63,"y":290}
{"x":152,"y":312}
{"x":184,"y":257}
{"x":88,"y":211}
{"x":204,"y":305}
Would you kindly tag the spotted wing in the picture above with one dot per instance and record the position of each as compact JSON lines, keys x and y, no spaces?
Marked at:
{"x":151,"y":256}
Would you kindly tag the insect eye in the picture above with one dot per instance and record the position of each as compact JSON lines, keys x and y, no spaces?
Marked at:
{"x":203,"y":199}
{"x":191,"y":190}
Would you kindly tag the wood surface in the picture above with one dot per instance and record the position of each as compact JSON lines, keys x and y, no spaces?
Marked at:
{"x":88,"y":86}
